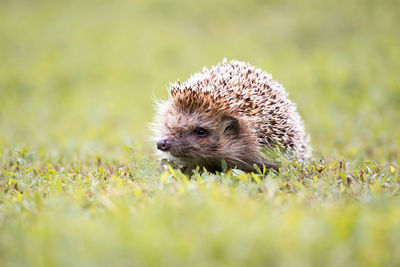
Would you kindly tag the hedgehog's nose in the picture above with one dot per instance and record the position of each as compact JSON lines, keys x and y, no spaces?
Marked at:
{"x":164,"y":144}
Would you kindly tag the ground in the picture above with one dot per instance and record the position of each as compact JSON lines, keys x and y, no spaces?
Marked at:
{"x":79,"y":184}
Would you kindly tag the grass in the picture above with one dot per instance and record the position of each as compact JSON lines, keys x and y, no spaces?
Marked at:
{"x":79,"y":185}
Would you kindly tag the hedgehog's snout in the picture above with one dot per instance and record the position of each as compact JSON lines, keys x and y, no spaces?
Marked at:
{"x":164,"y":144}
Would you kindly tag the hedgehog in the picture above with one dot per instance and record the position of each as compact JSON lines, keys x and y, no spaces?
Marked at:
{"x":228,"y":116}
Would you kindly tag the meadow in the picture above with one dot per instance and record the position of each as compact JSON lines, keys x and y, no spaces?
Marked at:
{"x":80,"y":186}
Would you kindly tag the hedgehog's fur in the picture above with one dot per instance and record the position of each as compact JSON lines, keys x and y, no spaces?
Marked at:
{"x":243,"y":111}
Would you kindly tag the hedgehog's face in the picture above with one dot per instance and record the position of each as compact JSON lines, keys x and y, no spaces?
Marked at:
{"x":197,"y":137}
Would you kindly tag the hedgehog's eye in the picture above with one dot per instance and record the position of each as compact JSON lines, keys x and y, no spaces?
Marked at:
{"x":200,"y":132}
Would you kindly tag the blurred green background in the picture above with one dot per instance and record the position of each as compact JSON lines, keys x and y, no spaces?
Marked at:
{"x":82,"y":75}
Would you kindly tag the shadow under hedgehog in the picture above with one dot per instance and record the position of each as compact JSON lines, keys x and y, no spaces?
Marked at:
{"x":233,"y":113}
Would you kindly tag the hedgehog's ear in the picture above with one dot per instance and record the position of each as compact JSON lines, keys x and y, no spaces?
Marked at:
{"x":232,"y":126}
